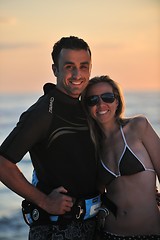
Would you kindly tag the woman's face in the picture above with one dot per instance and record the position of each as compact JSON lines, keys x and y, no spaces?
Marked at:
{"x":105,"y":104}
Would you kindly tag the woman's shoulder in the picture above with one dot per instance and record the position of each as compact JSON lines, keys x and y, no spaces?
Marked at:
{"x":139,"y":119}
{"x":137,"y":123}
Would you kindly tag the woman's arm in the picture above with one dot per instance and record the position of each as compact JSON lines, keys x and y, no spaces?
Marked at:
{"x":151,"y":141}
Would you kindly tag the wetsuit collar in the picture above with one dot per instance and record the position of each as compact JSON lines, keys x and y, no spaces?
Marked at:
{"x":50,"y":88}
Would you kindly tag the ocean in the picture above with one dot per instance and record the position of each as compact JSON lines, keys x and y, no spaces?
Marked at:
{"x":12,"y":225}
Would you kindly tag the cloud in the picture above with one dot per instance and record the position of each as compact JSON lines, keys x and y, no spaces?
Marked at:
{"x":18,"y":45}
{"x":8,"y":20}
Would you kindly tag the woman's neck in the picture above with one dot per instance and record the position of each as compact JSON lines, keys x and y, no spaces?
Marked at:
{"x":109,"y":129}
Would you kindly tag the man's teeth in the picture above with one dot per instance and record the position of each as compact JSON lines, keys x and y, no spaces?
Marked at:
{"x":76,"y":83}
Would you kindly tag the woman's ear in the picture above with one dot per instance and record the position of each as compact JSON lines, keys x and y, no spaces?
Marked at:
{"x":55,"y":70}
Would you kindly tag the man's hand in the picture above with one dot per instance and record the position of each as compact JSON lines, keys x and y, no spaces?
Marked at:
{"x":57,"y":202}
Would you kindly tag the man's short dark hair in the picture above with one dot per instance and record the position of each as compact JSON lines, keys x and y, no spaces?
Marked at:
{"x":71,"y":42}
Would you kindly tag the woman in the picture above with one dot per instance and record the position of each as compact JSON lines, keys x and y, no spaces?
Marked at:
{"x":129,"y":154}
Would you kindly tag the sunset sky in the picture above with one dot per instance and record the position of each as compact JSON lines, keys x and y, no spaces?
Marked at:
{"x":124,"y":36}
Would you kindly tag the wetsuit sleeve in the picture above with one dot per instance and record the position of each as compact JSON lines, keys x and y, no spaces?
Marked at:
{"x":32,"y":127}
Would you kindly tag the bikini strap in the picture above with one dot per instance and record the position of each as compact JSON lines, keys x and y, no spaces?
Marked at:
{"x":124,"y":139}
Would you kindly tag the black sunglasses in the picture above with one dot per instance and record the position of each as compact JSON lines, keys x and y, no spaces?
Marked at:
{"x":106,"y":97}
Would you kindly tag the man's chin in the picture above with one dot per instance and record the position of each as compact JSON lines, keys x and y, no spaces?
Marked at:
{"x":75,"y":93}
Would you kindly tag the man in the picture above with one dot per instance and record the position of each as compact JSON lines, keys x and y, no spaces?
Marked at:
{"x":63,"y":200}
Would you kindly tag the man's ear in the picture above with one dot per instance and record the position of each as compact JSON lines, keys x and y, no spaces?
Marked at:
{"x":55,"y":70}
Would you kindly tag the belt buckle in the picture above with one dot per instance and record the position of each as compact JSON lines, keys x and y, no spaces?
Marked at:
{"x":78,"y":215}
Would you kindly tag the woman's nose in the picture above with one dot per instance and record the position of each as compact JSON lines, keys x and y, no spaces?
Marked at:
{"x":100,"y":101}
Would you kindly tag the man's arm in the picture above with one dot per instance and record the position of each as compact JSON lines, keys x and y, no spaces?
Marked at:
{"x":57,"y":202}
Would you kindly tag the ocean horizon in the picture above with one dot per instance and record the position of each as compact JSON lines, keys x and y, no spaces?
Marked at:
{"x":12,"y":225}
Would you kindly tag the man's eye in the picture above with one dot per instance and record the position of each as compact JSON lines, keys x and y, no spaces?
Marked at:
{"x":68,"y":67}
{"x":84,"y":67}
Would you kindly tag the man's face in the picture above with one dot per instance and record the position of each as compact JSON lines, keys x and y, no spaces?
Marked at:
{"x":73,"y":72}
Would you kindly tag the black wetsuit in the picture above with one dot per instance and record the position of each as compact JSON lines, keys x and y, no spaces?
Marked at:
{"x":54,"y":131}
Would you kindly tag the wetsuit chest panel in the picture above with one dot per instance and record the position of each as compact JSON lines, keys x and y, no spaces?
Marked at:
{"x":68,"y":154}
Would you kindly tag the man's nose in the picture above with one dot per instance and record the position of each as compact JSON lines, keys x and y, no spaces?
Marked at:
{"x":76,"y":73}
